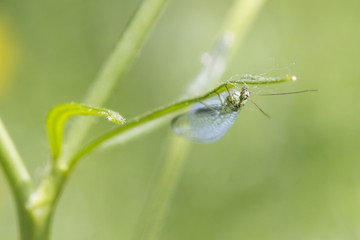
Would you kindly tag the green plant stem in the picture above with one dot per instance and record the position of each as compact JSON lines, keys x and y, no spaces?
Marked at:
{"x":117,"y":64}
{"x":41,"y":205}
{"x":170,"y":109}
{"x":14,"y":168}
{"x":160,"y":201}
{"x":240,"y":18}
{"x":34,"y":222}
{"x":19,"y":180}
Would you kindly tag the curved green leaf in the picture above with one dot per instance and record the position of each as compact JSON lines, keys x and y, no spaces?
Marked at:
{"x":60,"y":113}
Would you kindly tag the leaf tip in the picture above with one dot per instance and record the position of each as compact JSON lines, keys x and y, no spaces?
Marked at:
{"x":116,"y":118}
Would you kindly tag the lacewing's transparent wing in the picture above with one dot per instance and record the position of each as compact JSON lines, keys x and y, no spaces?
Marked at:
{"x":204,"y":124}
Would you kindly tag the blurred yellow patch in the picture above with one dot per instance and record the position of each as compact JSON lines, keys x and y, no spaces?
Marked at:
{"x":8,"y":54}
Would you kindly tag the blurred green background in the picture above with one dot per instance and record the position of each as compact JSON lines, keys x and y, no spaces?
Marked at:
{"x":293,"y":177}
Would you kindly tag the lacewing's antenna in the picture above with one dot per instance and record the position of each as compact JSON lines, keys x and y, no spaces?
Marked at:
{"x":262,"y":111}
{"x":285,"y":93}
{"x":274,"y":94}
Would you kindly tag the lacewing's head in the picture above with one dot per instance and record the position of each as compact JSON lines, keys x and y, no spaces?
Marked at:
{"x":237,"y":99}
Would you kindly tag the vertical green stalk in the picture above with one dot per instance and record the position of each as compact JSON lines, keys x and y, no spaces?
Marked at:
{"x":34,"y":222}
{"x":117,"y":64}
{"x":239,"y":19}
{"x":14,"y":168}
{"x":161,"y":198}
{"x":19,"y":180}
